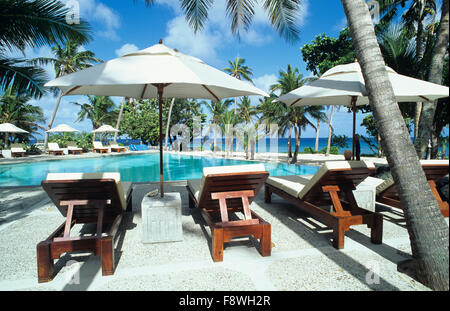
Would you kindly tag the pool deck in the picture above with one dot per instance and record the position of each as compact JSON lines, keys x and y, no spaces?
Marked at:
{"x":302,"y":257}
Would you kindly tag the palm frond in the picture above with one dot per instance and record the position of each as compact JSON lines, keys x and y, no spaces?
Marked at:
{"x":35,"y":23}
{"x":196,"y":12}
{"x":241,"y":13}
{"x":283,"y":15}
{"x":22,"y":77}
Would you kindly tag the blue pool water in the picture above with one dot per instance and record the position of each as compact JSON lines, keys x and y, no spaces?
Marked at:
{"x":136,"y":168}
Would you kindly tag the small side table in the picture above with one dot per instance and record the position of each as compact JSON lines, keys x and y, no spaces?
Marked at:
{"x":161,"y":218}
{"x":365,"y":193}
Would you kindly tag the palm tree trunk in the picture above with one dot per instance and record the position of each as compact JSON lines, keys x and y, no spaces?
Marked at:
{"x":427,"y":228}
{"x":417,"y":119}
{"x":168,"y":122}
{"x":330,"y":131}
{"x":297,"y":143}
{"x":52,"y":119}
{"x":119,"y":119}
{"x":215,"y":141}
{"x":316,"y":147}
{"x":435,"y":76}
{"x":289,"y":143}
{"x":380,"y":154}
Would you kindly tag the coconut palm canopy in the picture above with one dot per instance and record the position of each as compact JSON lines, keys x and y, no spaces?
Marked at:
{"x":105,"y":128}
{"x":62,"y":128}
{"x":10,"y":128}
{"x":338,"y":85}
{"x":134,"y":75}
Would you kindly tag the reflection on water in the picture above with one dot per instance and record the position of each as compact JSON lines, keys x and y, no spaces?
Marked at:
{"x":136,"y":168}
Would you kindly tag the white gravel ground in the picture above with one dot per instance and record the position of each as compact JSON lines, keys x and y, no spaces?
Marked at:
{"x":302,"y":257}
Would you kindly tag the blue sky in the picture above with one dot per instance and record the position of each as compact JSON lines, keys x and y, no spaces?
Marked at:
{"x":122,"y":26}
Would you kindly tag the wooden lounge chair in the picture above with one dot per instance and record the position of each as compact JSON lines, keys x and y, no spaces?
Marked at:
{"x":17,"y":150}
{"x":434,"y":171}
{"x":332,"y":185}
{"x":220,"y":194}
{"x":73,"y":149}
{"x":54,"y":149}
{"x":98,"y":147}
{"x":83,"y":198}
{"x":116,"y":148}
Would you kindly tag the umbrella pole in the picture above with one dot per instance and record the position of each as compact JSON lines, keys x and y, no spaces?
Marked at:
{"x":161,"y":174}
{"x":354,"y":126}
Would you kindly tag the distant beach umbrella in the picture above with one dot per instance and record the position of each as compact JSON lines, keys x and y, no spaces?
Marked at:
{"x":344,"y":85}
{"x":155,"y":72}
{"x":62,"y":128}
{"x":105,"y":129}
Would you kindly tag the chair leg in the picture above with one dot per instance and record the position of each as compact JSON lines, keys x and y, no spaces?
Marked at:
{"x":267,"y":194}
{"x":338,"y":235}
{"x":376,"y":232}
{"x":266,"y":242}
{"x":217,"y":244}
{"x":44,"y":262}
{"x":107,"y":256}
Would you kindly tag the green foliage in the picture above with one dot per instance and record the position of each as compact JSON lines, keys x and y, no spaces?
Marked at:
{"x":141,"y":121}
{"x":100,"y":110}
{"x":84,"y":140}
{"x":339,"y":141}
{"x":32,"y":23}
{"x":15,"y":109}
{"x":325,"y":52}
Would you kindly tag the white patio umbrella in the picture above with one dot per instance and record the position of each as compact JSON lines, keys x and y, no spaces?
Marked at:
{"x":157,"y":71}
{"x":62,"y":128}
{"x":10,"y":128}
{"x":344,"y":85}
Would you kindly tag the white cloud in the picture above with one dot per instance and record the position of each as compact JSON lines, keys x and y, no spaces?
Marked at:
{"x":126,"y":49}
{"x":265,"y":82}
{"x":217,"y":29}
{"x":95,"y":12}
{"x":182,"y":37}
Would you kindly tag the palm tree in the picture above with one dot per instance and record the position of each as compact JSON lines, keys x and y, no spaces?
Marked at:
{"x":289,"y":80}
{"x":240,"y":71}
{"x":217,"y":109}
{"x":426,"y":226}
{"x":246,"y":112}
{"x":414,"y":20}
{"x":68,"y":58}
{"x":32,"y":23}
{"x":435,"y":75}
{"x":15,"y":109}
{"x":227,"y":121}
{"x":100,"y":110}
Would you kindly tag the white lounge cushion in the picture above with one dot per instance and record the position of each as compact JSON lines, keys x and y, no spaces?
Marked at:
{"x":434,"y":162}
{"x":333,"y":165}
{"x":195,"y":187}
{"x":123,"y":189}
{"x":54,"y":147}
{"x":229,"y":170}
{"x":98,"y":145}
{"x":16,"y":148}
{"x":292,"y":185}
{"x":73,"y":146}
{"x":299,"y":186}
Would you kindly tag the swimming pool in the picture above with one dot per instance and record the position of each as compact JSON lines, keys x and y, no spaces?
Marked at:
{"x":136,"y":168}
